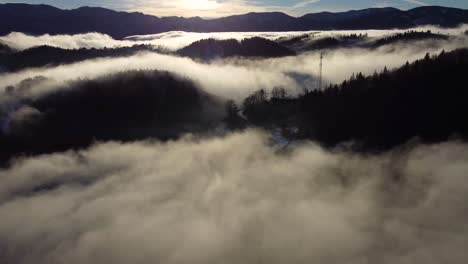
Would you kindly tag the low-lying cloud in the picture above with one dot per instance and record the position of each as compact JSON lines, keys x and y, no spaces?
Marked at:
{"x":236,"y":78}
{"x":21,"y":41}
{"x":235,"y":200}
{"x":226,"y":80}
{"x":175,"y":40}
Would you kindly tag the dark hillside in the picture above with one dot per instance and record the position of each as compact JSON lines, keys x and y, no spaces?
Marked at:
{"x":209,"y":49}
{"x":425,"y":100}
{"x":52,"y":56}
{"x":126,"y":106}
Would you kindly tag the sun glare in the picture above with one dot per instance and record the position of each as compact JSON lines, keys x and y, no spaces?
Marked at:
{"x":200,"y":4}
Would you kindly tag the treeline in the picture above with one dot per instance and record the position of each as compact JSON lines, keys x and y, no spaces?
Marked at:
{"x":127,"y":106}
{"x":305,"y":43}
{"x":287,"y":41}
{"x":408,"y":36}
{"x":41,"y":56}
{"x":426,"y":99}
{"x":52,"y":56}
{"x":209,"y":49}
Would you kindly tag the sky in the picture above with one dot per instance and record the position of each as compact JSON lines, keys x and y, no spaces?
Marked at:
{"x":219,"y":8}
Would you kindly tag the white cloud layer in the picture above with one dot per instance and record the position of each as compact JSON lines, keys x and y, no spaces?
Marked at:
{"x":231,"y":78}
{"x":235,"y":200}
{"x":21,"y":41}
{"x":175,"y":40}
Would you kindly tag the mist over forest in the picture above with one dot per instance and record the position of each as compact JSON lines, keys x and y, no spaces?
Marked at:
{"x":281,"y":146}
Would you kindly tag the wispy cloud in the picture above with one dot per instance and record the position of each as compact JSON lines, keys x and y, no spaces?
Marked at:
{"x":304,"y":4}
{"x":416,"y":2}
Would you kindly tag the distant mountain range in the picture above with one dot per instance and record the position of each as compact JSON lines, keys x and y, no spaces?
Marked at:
{"x":42,"y":19}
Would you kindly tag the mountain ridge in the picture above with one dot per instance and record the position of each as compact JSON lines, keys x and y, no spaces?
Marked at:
{"x":46,"y":19}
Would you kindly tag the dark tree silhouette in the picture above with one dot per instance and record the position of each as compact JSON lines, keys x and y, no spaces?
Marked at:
{"x":307,"y":42}
{"x":52,"y":56}
{"x":231,"y":108}
{"x":278,"y":93}
{"x":127,"y":106}
{"x":209,"y":49}
{"x":425,"y":99}
{"x":408,"y":36}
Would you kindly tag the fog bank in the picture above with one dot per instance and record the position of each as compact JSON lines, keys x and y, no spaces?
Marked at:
{"x":237,"y":77}
{"x":235,"y":200}
{"x":175,"y":40}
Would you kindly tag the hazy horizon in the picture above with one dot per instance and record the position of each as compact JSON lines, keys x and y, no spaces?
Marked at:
{"x":217,"y":8}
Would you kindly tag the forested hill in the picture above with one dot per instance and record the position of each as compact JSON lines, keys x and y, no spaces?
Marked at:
{"x":308,"y":41}
{"x":52,"y":56}
{"x":208,"y":49}
{"x":126,"y":106}
{"x":426,"y":100}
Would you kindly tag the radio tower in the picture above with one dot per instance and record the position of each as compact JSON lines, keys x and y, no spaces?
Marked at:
{"x":321,"y":68}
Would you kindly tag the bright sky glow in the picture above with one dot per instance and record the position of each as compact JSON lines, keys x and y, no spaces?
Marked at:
{"x":200,"y":4}
{"x":218,"y":8}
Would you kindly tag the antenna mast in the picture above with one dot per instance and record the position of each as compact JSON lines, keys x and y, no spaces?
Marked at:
{"x":321,"y":69}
